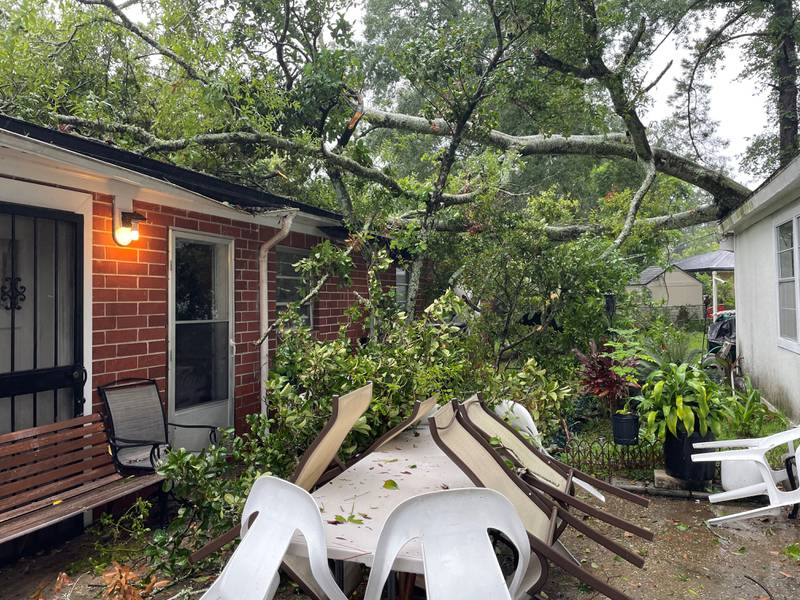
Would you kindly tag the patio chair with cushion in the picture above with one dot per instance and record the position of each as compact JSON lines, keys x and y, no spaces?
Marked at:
{"x":543,"y":518}
{"x":458,"y":557}
{"x":755,"y":451}
{"x":538,"y":463}
{"x":137,"y":424}
{"x":274,"y":510}
{"x":320,"y":459}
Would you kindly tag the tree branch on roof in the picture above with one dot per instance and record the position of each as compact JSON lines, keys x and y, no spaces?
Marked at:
{"x":728,"y":193}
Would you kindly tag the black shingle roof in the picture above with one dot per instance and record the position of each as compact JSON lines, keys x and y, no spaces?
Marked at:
{"x":200,"y":183}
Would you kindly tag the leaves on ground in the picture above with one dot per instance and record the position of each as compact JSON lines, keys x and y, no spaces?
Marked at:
{"x":792,"y":551}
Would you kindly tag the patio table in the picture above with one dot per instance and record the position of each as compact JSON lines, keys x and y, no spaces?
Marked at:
{"x":415,"y":464}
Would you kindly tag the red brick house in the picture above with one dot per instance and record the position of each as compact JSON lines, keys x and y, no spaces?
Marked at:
{"x":92,"y":293}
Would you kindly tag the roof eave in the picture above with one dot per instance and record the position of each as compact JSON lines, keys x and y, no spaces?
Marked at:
{"x":775,"y":193}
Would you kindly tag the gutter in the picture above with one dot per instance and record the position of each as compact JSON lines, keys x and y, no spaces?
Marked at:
{"x":263,"y":291}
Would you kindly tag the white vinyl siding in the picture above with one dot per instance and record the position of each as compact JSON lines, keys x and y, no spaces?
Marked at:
{"x":787,"y":256}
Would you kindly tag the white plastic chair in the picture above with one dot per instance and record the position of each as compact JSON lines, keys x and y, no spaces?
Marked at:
{"x":274,"y":510}
{"x":458,"y":557}
{"x":755,"y":451}
{"x":520,"y":419}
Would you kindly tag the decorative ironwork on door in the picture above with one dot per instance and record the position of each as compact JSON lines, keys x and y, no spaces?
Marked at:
{"x":42,"y":374}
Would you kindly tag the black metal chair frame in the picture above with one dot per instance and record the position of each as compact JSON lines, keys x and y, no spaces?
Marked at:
{"x":118,"y":443}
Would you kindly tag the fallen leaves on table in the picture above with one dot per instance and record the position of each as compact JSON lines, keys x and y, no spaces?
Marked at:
{"x":390,"y":484}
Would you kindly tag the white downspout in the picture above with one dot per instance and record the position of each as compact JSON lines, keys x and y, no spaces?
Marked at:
{"x":263,"y":294}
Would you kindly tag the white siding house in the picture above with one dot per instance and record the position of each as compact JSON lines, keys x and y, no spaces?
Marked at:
{"x":766,"y":236}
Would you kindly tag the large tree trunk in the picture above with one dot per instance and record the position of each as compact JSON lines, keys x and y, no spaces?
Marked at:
{"x":786,"y":66}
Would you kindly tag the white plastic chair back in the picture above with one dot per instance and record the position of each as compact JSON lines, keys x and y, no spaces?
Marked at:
{"x":457,"y":554}
{"x":274,"y":510}
{"x":519,"y":418}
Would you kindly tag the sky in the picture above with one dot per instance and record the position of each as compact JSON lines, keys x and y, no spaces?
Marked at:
{"x":738,"y":107}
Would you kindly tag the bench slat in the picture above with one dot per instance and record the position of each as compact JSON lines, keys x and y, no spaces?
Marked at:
{"x":75,"y":506}
{"x":46,"y":502}
{"x":30,"y":444}
{"x":53,"y":465}
{"x":43,"y":429}
{"x":56,"y":487}
{"x":46,"y":477}
{"x":17,"y":460}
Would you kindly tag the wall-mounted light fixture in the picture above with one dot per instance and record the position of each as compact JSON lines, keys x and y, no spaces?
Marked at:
{"x":125,"y":221}
{"x":127,"y":230}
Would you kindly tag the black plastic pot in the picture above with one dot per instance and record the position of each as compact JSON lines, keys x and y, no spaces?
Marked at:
{"x":678,"y":457}
{"x":626,"y":429}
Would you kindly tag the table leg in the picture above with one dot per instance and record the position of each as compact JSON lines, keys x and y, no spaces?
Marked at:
{"x":407,"y":585}
{"x":338,"y":573}
{"x":391,"y":587}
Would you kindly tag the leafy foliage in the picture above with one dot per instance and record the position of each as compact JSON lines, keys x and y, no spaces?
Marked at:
{"x":606,"y":376}
{"x":682,"y":398}
{"x":406,"y":360}
{"x":748,"y":412}
{"x":548,"y":401}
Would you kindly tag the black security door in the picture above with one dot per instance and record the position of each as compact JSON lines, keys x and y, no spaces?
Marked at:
{"x":41,"y":315}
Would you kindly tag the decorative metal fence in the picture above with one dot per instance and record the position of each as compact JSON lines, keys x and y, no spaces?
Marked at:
{"x":603,"y":458}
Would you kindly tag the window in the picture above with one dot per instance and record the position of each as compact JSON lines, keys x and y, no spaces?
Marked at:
{"x":289,"y":283}
{"x":787,"y":280}
{"x":401,"y":287}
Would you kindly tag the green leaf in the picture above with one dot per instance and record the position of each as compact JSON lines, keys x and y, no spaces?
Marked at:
{"x":792,"y":551}
{"x":390,"y":484}
{"x":672,"y":424}
{"x":688,"y":420}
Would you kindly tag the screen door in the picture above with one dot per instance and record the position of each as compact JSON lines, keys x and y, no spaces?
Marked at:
{"x":201,"y":348}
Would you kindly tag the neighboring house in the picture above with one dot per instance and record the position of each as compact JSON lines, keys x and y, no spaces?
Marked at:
{"x":83,"y":300}
{"x":673,"y":288}
{"x":766,"y":236}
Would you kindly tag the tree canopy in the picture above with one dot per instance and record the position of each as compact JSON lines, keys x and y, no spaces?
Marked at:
{"x":430,"y":120}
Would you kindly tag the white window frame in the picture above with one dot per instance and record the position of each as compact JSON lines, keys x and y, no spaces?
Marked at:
{"x":783,"y":342}
{"x":300,"y":253}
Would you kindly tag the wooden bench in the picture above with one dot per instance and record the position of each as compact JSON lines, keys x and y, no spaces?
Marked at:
{"x":54,"y":472}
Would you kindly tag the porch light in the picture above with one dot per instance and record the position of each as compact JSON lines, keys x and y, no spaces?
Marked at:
{"x":128,"y":229}
{"x":125,"y":221}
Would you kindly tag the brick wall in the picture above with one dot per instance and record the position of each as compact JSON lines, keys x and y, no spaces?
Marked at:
{"x":129,"y":309}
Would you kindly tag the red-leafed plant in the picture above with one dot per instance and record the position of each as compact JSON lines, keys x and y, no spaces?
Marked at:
{"x":606,"y":377}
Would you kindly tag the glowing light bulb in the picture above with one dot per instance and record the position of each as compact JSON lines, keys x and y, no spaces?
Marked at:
{"x":124,"y":235}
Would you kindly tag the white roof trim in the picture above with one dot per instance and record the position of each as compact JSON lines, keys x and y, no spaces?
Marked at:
{"x":778,"y":191}
{"x":59,"y":166}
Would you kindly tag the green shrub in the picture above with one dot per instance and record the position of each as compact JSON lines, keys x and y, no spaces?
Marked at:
{"x":406,"y":360}
{"x":681,"y":397}
{"x":548,"y":401}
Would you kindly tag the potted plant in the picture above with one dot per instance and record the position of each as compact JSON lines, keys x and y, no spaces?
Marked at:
{"x":611,"y":378}
{"x":682,"y":406}
{"x":747,"y":415}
